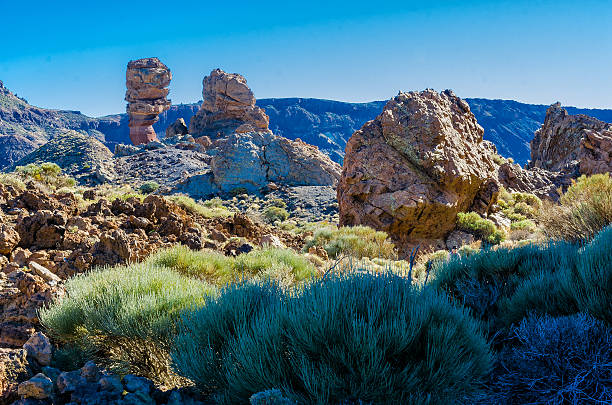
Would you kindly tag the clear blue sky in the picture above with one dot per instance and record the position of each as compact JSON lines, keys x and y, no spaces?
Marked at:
{"x":73,"y":54}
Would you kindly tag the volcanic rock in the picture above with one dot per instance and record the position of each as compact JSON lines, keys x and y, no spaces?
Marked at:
{"x":177,"y":128}
{"x":146,"y":81}
{"x":412,"y":169}
{"x":229,"y":104}
{"x":253,"y":160}
{"x":576,"y":144}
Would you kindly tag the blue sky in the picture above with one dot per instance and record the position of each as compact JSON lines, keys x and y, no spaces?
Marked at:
{"x":73,"y":54}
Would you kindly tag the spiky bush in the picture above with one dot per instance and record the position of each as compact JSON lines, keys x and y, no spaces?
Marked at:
{"x":584,"y":210}
{"x":357,"y":241}
{"x":566,"y":360}
{"x":125,"y":313}
{"x":480,"y":227}
{"x":283,"y":265}
{"x":327,"y":344}
{"x":594,"y":276}
{"x":483,"y":280}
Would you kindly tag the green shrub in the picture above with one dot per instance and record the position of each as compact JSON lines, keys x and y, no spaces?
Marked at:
{"x":273,"y":213}
{"x":327,"y":344}
{"x":482,"y":228}
{"x":487,"y":282}
{"x":283,"y":265}
{"x":584,"y":210}
{"x":11,"y":179}
{"x":207,"y":333}
{"x":213,"y":208}
{"x":594,"y":276}
{"x":277,"y":202}
{"x":148,"y":187}
{"x":126,"y":313}
{"x":565,"y":360}
{"x":49,"y":174}
{"x":523,"y":225}
{"x":357,"y":241}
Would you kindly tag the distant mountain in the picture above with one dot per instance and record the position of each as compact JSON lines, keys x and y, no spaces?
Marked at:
{"x":328,"y":124}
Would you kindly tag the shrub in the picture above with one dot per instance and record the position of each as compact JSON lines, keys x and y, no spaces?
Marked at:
{"x":357,"y":241}
{"x":127,"y":313}
{"x":584,"y":210}
{"x":492,"y":277}
{"x":558,"y":360}
{"x":213,"y":208}
{"x":207,"y":333}
{"x":525,"y":224}
{"x":49,"y":174}
{"x":148,"y":187}
{"x":327,"y":344}
{"x":594,"y":276}
{"x":273,"y":213}
{"x":281,"y":264}
{"x":11,"y":179}
{"x":482,"y":228}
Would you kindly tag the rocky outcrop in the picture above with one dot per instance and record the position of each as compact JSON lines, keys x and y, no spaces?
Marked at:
{"x":255,"y":160}
{"x":86,"y":159}
{"x":228,"y":107}
{"x":412,"y":169}
{"x":146,"y":81}
{"x":543,"y":183}
{"x":576,"y":144}
{"x":177,"y":128}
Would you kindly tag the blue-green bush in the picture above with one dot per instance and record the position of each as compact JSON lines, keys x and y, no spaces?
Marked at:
{"x":374,"y":338}
{"x":489,"y":278}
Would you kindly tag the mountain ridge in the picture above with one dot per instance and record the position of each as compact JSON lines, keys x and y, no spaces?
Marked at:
{"x":327,"y":124}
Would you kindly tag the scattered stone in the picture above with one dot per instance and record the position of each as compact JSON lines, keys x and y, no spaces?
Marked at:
{"x":133,"y":383}
{"x":9,"y":239}
{"x":44,"y":272}
{"x":458,"y":239}
{"x":272,"y":241}
{"x":37,"y":387}
{"x":39,"y":347}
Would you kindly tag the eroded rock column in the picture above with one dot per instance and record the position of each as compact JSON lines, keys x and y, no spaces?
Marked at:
{"x":146,"y":82}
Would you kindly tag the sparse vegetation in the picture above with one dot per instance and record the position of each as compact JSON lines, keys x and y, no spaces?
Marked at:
{"x":357,"y":241}
{"x":48,"y":174}
{"x":282,"y":265}
{"x":213,"y":208}
{"x":480,"y":227}
{"x":584,"y":209}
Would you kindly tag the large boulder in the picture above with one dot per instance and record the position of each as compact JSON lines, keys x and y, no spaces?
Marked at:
{"x":576,"y":144}
{"x":146,"y":81}
{"x":413,"y":168}
{"x":253,"y":160}
{"x":229,"y":105}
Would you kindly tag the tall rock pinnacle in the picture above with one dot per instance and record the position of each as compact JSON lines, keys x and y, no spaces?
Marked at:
{"x":228,"y":106}
{"x":146,"y":82}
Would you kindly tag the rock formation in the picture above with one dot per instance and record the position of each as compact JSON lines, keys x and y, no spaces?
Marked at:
{"x":576,"y":144}
{"x":254,"y":160}
{"x":146,"y":81}
{"x":412,"y":169}
{"x":177,"y":128}
{"x":228,"y":106}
